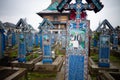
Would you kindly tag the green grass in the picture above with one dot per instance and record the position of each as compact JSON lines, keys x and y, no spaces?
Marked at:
{"x":15,"y":47}
{"x":113,"y":58}
{"x":58,"y":52}
{"x":13,"y":54}
{"x":36,"y":48}
{"x":94,"y":56}
{"x":32,"y":56}
{"x":41,"y":75}
{"x":93,"y":77}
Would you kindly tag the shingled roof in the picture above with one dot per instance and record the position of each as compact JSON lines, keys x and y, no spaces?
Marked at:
{"x":52,"y":9}
{"x":53,"y":6}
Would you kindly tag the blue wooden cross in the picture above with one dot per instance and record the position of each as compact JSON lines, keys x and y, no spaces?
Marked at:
{"x":45,"y":40}
{"x":2,"y":43}
{"x":2,"y":40}
{"x":95,"y":5}
{"x":78,"y":38}
{"x":21,"y":48}
{"x":22,"y":27}
{"x":47,"y":55}
{"x":104,"y":51}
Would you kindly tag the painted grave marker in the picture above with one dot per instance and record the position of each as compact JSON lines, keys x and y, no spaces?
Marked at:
{"x":78,"y":37}
{"x":46,"y":36}
{"x":104,"y":51}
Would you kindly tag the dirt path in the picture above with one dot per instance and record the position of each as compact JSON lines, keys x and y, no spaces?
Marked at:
{"x":60,"y":75}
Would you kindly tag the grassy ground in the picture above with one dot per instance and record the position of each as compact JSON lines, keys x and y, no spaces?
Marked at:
{"x":58,"y":52}
{"x":40,"y":76}
{"x":14,"y":53}
{"x":94,"y":57}
{"x":32,"y":56}
{"x":36,"y":48}
{"x":112,"y":58}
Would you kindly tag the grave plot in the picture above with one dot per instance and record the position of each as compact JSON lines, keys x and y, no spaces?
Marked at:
{"x":54,"y":67}
{"x":30,"y":61}
{"x":9,"y":73}
{"x":95,"y":70}
{"x":103,"y":60}
{"x":48,"y":63}
{"x":25,"y":60}
{"x":7,"y":50}
{"x":59,"y":51}
{"x":109,"y":76}
{"x":31,"y":58}
{"x":41,"y":75}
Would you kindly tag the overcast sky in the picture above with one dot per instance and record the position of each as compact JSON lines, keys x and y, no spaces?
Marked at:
{"x":13,"y":10}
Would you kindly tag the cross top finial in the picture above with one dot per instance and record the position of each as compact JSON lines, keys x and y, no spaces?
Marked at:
{"x":95,"y":5}
{"x":78,"y":1}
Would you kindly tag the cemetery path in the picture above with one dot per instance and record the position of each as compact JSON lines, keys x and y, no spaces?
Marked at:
{"x":60,"y":75}
{"x":117,"y":64}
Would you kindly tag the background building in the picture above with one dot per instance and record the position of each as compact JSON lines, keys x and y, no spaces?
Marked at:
{"x":58,"y":19}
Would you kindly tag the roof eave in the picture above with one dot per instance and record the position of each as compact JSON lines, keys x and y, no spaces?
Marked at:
{"x":42,"y":13}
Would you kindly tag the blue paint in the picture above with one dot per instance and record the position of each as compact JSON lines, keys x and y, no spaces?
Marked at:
{"x":95,"y":43}
{"x":40,"y":41}
{"x":104,"y":57}
{"x":104,"y":51}
{"x":2,"y":43}
{"x":36,"y":40}
{"x":115,"y":41}
{"x":76,"y":67}
{"x":77,"y":39}
{"x":46,"y":40}
{"x":21,"y":48}
{"x":97,"y":4}
{"x":47,"y":54}
{"x":47,"y":50}
{"x":52,"y":40}
{"x":47,"y":60}
{"x":29,"y":42}
{"x":13,"y":39}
